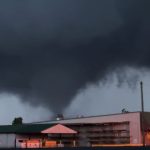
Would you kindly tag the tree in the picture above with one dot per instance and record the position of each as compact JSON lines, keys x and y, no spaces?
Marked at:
{"x":17,"y":121}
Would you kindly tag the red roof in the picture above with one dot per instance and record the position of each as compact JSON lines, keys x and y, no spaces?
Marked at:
{"x":59,"y":129}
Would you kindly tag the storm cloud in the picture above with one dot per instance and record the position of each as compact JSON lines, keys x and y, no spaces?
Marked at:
{"x":51,"y":50}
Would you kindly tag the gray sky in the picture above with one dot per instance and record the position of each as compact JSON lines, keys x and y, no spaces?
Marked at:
{"x":56,"y":55}
{"x":97,"y":99}
{"x":12,"y":107}
{"x":111,"y":98}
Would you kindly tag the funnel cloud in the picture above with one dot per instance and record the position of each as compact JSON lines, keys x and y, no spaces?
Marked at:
{"x":51,"y":50}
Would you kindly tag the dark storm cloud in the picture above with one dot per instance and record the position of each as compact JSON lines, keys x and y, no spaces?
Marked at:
{"x":49,"y":50}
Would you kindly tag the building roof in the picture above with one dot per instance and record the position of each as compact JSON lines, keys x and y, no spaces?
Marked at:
{"x":85,"y":119}
{"x":32,"y":128}
{"x":36,"y":128}
{"x":111,"y":118}
{"x":59,"y":129}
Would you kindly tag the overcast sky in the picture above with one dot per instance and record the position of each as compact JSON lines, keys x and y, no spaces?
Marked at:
{"x":99,"y":99}
{"x":70,"y":56}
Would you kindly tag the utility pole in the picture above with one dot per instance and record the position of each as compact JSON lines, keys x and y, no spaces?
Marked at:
{"x":142,"y":114}
{"x":142,"y":99}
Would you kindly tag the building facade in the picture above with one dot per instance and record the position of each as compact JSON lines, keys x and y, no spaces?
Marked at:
{"x":124,"y":129}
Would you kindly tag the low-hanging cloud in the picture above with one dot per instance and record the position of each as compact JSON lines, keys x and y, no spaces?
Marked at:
{"x":49,"y":50}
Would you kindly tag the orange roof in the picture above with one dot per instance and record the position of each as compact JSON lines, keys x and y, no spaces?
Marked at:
{"x":59,"y":129}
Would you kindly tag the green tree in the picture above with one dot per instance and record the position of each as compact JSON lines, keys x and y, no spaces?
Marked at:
{"x":17,"y":121}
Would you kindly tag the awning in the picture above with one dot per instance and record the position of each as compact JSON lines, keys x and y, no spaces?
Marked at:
{"x":59,"y":129}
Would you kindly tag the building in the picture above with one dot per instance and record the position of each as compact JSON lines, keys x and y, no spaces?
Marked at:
{"x":34,"y":136}
{"x":124,"y":129}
